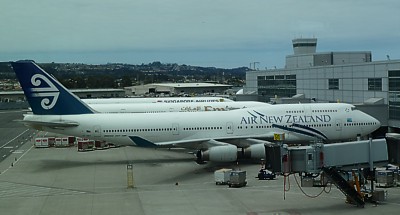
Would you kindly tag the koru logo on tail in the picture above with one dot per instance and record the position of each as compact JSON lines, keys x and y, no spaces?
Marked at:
{"x":46,"y":92}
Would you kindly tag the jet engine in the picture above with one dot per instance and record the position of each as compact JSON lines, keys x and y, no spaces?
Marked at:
{"x":256,"y":151}
{"x":224,"y":153}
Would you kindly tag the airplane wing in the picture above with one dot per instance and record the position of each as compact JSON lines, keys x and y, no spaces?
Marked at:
{"x":204,"y":143}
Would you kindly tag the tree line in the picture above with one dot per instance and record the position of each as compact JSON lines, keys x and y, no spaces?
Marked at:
{"x":81,"y":76}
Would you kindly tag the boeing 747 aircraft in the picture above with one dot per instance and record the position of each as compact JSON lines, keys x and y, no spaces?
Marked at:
{"x":172,"y":107}
{"x":156,"y":100}
{"x":221,"y":136}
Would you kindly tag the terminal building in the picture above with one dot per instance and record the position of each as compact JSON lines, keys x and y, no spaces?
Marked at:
{"x":178,"y":89}
{"x":349,"y":77}
{"x":17,"y":100}
{"x":18,"y":96}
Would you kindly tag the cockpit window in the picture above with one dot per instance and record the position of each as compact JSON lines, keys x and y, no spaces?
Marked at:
{"x":353,"y":108}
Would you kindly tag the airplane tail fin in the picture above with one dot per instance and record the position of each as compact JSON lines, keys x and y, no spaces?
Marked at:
{"x":45,"y":94}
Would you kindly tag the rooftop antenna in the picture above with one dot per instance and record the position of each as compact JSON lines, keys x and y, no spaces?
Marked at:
{"x":254,"y":65}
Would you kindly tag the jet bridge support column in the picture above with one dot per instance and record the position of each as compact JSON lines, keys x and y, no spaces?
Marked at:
{"x":276,"y":155}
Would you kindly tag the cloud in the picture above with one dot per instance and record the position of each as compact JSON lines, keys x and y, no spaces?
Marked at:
{"x":191,"y":25}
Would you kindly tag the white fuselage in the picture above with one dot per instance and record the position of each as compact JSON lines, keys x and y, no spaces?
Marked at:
{"x":156,"y":100}
{"x":330,"y":121}
{"x":172,"y":107}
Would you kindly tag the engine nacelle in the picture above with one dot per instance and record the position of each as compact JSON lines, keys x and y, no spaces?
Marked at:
{"x":225,"y":153}
{"x":256,"y":151}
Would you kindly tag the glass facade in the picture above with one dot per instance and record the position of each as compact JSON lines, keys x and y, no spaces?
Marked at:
{"x":375,"y":84}
{"x":394,"y":94}
{"x":333,"y":84}
{"x":277,"y":85}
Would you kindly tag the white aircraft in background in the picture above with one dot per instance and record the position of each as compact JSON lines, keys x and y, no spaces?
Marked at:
{"x":156,"y":100}
{"x":173,"y":107}
{"x":221,"y":136}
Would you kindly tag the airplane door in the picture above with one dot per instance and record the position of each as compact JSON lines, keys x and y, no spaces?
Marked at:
{"x":97,"y":131}
{"x":175,"y":129}
{"x":307,"y":111}
{"x":229,"y":128}
{"x":338,"y":125}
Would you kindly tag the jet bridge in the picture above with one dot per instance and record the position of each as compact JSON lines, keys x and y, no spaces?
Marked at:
{"x":311,"y":159}
{"x":328,"y":158}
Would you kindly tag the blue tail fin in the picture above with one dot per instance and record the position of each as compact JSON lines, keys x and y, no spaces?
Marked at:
{"x":45,"y":94}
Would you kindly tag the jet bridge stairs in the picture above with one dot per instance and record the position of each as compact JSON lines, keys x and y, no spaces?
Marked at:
{"x":344,"y":186}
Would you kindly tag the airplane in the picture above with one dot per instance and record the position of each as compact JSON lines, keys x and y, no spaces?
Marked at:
{"x":218,"y":136}
{"x":156,"y":100}
{"x":173,"y":107}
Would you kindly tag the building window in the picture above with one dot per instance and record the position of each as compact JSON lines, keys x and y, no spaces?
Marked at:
{"x":269,"y":77}
{"x":394,"y":112}
{"x":394,"y":94}
{"x":333,"y":84}
{"x":279,"y":77}
{"x":394,"y":84}
{"x":290,"y":77}
{"x":375,"y":84}
{"x":279,"y":85}
{"x":394,"y":73}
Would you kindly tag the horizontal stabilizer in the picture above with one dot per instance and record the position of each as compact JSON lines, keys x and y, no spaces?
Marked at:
{"x":60,"y":124}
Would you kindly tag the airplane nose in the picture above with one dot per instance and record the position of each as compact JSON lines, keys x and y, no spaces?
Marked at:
{"x":376,"y":123}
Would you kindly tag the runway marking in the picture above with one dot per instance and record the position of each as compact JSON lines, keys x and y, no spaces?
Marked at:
{"x":17,"y":160}
{"x":18,"y":151}
{"x":8,"y":147}
{"x":9,"y":189}
{"x":14,"y":138}
{"x":4,"y":156}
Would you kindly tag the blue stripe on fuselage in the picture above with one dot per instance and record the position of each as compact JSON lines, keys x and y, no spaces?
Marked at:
{"x":310,"y":129}
{"x":142,"y":142}
{"x":299,"y":131}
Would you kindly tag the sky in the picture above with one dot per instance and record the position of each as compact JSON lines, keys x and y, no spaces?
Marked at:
{"x":214,"y":33}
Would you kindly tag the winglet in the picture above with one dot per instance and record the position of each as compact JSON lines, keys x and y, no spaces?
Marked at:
{"x":45,"y":94}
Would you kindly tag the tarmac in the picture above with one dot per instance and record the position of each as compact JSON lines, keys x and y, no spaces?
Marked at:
{"x":46,"y":181}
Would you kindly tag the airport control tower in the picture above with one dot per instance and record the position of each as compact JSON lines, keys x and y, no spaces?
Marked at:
{"x":304,"y":46}
{"x":305,"y":55}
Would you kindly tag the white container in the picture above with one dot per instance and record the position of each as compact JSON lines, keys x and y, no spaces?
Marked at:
{"x":385,"y":178}
{"x":222,"y":176}
{"x":41,"y":142}
{"x":58,"y":142}
{"x":64,"y":141}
